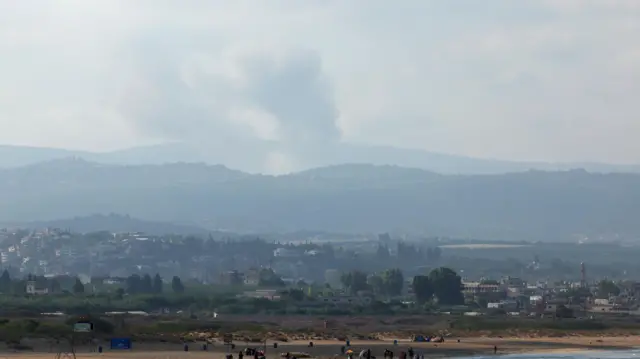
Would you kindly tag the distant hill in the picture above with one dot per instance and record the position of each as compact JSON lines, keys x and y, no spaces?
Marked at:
{"x":115,"y":223}
{"x":251,"y":157}
{"x":353,"y":198}
{"x":17,"y":156}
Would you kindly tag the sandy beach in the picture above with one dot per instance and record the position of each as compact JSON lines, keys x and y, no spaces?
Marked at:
{"x":330,"y":349}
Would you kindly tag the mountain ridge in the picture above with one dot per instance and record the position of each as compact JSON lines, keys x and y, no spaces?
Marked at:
{"x":532,"y":205}
{"x":253,"y":158}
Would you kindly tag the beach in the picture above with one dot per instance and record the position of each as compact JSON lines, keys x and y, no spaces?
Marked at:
{"x":467,"y":347}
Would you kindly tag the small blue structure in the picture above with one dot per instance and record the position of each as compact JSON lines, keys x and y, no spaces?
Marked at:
{"x":348,"y":343}
{"x":121,"y":343}
{"x":395,"y":342}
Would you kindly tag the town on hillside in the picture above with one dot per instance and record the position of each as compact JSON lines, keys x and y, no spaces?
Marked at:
{"x":384,"y":274}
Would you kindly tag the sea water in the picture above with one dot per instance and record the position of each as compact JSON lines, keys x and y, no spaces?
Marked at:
{"x":590,"y":354}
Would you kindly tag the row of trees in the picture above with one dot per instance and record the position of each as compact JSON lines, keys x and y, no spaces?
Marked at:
{"x":443,"y":284}
{"x":136,"y":284}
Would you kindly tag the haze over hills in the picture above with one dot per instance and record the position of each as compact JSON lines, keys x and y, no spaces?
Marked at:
{"x":114,"y":223}
{"x":346,"y":198}
{"x":253,"y":157}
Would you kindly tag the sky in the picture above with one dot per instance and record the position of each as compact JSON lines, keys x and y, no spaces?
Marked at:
{"x":552,"y":80}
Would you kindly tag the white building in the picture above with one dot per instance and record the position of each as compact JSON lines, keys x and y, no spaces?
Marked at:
{"x":32,"y":289}
{"x":286,"y":253}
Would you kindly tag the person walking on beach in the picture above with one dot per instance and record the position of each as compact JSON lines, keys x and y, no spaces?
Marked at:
{"x":495,"y":349}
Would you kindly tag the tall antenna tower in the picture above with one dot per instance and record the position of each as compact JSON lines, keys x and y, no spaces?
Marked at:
{"x":583,"y":275}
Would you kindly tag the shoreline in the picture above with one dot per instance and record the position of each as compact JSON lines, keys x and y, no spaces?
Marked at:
{"x":467,"y":347}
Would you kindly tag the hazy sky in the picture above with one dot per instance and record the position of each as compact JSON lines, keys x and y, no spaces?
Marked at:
{"x":515,"y":79}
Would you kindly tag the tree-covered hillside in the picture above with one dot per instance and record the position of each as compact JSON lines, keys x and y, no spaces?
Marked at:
{"x":347,"y":198}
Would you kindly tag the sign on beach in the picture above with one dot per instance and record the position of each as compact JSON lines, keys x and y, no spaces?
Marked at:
{"x":82,"y":327}
{"x":121,"y":343}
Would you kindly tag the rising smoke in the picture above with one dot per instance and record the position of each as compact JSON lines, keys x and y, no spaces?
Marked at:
{"x":179,"y":94}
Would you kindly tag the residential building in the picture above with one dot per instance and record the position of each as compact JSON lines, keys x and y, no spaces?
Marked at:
{"x":35,"y":288}
{"x":474,"y":288}
{"x":270,"y":294}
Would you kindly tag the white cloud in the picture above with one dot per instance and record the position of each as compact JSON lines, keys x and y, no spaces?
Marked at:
{"x":530,"y":79}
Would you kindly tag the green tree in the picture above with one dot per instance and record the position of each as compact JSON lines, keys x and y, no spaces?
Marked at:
{"x":18,"y":287}
{"x":146,"y":284}
{"x":176,"y":285}
{"x":295,"y":294}
{"x":576,"y":295}
{"x":133,"y":284}
{"x":119,"y":293}
{"x":54,"y":286}
{"x":607,"y":288}
{"x":393,"y":280}
{"x":5,"y":282}
{"x":354,"y":281}
{"x":447,"y":286}
{"x":422,"y":288}
{"x":564,"y":312}
{"x":269,"y":278}
{"x":376,"y":283}
{"x":157,"y":284}
{"x":78,"y":287}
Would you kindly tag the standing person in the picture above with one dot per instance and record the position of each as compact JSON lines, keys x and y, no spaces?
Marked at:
{"x":495,"y":349}
{"x":368,"y":353}
{"x":240,"y":354}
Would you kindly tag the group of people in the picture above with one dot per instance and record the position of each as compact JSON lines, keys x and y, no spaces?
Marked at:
{"x":388,"y":354}
{"x":249,"y":352}
{"x":364,"y":354}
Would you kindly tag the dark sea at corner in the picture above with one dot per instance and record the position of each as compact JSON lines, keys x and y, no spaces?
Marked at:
{"x":588,"y":354}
